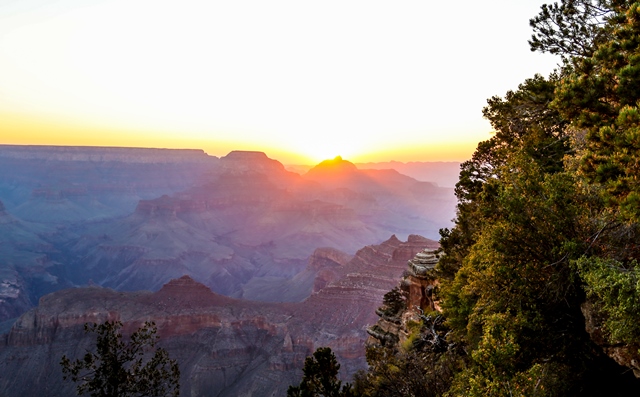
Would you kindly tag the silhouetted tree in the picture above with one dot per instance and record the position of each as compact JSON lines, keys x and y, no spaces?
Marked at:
{"x":117,"y":368}
{"x":320,"y":377}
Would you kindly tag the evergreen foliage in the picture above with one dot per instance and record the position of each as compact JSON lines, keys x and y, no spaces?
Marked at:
{"x":600,"y":95}
{"x":547,"y":201}
{"x":571,"y":29}
{"x":616,"y":288}
{"x":546,"y":237}
{"x":393,"y":303}
{"x":320,"y":377}
{"x":120,"y":369}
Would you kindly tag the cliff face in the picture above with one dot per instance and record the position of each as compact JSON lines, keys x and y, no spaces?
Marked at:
{"x":14,"y":294}
{"x":224,"y":346}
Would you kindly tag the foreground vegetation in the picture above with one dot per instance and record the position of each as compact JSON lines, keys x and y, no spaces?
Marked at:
{"x":540,"y":282}
{"x":118,"y":367}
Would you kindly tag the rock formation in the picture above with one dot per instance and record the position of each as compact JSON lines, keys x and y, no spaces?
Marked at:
{"x":402,"y":198}
{"x":418,"y":284}
{"x":416,"y":289}
{"x":248,"y":229}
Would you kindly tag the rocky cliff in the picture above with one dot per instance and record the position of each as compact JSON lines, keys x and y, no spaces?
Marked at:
{"x":627,"y":355}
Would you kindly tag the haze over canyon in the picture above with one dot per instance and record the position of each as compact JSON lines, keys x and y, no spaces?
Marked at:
{"x":245,"y":265}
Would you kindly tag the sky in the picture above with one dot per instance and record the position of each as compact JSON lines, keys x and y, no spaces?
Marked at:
{"x":300,"y":80}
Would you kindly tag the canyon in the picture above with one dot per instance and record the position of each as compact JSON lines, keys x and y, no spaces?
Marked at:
{"x":246,"y":267}
{"x":224,"y":346}
{"x":133,"y":219}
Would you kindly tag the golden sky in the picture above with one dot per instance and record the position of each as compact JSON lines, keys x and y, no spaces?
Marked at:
{"x":300,"y":80}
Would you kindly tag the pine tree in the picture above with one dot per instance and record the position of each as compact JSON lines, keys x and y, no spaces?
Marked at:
{"x":117,"y":368}
{"x":320,"y":377}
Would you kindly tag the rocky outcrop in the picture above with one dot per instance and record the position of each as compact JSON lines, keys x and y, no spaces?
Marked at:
{"x":372,"y":272}
{"x":325,"y":263}
{"x":416,"y":295}
{"x":244,"y":161}
{"x":418,"y":284}
{"x":14,"y":295}
{"x":165,"y":207}
{"x":331,"y":168}
{"x":406,"y":252}
{"x":326,"y":257}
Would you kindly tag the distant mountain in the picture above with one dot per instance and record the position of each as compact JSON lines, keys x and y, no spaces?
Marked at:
{"x":444,"y":174}
{"x":225,"y":347}
{"x":238,"y":227}
{"x":396,"y":201}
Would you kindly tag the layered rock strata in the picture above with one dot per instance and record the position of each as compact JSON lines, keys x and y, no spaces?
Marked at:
{"x":419,"y":284}
{"x":24,"y":264}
